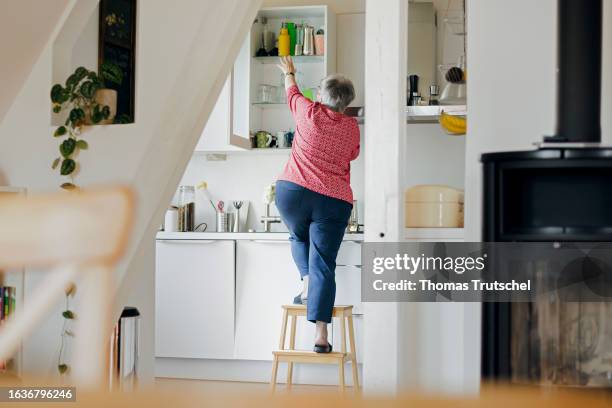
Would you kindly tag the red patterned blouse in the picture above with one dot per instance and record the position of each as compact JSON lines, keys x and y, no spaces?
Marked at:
{"x":325,"y":143}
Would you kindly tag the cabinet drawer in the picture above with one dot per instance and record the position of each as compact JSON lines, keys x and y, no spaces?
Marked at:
{"x":349,"y":254}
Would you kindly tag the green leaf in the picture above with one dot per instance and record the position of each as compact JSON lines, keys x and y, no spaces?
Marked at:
{"x":106,"y":112}
{"x":72,"y":81}
{"x":76,"y":115}
{"x":57,"y":108}
{"x":68,"y":314}
{"x":68,"y":186}
{"x":68,"y":166}
{"x":57,"y":94}
{"x":88,"y":89}
{"x":60,"y":131}
{"x":82,"y":144}
{"x":97,"y":115}
{"x":67,"y":147}
{"x":111,"y":72}
{"x":56,"y":163}
{"x":123,"y":118}
{"x":62,"y":368}
{"x":81,"y":72}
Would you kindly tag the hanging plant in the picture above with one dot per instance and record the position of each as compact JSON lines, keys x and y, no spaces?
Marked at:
{"x":66,"y":333}
{"x":79,"y":94}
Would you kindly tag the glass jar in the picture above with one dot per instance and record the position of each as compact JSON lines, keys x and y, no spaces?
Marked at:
{"x":186,"y":208}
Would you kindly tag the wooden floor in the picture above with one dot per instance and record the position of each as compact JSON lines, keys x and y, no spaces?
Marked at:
{"x":175,"y":384}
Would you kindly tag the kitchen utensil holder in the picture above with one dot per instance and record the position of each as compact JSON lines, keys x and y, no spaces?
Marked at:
{"x":224,"y":222}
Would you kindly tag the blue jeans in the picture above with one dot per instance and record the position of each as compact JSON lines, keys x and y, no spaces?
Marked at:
{"x":316,"y":226}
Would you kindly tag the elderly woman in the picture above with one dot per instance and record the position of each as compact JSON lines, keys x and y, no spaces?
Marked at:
{"x":313,"y":194}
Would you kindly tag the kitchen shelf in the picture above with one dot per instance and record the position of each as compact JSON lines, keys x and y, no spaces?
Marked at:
{"x":432,"y":113}
{"x":298,"y":59}
{"x":426,"y":113}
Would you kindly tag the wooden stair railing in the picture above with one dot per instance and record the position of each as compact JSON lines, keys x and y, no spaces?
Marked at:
{"x":79,"y":237}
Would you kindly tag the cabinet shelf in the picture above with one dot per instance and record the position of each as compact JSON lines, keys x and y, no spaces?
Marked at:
{"x":422,"y":114}
{"x":301,"y":59}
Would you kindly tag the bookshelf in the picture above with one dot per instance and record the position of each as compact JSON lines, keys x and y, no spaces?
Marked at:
{"x":15,"y":279}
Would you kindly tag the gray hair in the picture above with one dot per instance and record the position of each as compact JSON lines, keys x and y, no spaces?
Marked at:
{"x":336,"y":92}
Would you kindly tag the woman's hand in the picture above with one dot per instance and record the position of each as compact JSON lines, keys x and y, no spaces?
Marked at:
{"x":286,"y":65}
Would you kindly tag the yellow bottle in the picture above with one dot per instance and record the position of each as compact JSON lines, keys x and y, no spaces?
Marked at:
{"x":283,"y":42}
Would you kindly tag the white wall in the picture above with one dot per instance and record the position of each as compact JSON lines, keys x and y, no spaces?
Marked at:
{"x":511,"y":102}
{"x":512,"y":84}
{"x":244,"y":176}
{"x":174,"y":45}
{"x":21,"y":47}
{"x":433,"y":157}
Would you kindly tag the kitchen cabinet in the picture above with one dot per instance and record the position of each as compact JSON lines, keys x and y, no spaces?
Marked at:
{"x":216,"y":134}
{"x":266,"y":278}
{"x":251,"y":112}
{"x":194,"y":305}
{"x":348,"y":287}
{"x":348,"y":275}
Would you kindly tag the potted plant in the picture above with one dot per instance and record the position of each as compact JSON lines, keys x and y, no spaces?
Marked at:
{"x":109,"y":73}
{"x":85,"y":94}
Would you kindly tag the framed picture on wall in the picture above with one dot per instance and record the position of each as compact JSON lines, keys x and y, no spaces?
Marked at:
{"x":117,"y":44}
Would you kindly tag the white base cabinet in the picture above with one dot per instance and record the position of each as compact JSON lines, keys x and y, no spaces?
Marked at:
{"x":194,"y":299}
{"x":218,"y":304}
{"x":266,"y":278}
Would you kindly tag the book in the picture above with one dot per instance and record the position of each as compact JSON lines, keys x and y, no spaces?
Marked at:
{"x":1,"y":303}
{"x":6,"y":302}
{"x":13,"y":296}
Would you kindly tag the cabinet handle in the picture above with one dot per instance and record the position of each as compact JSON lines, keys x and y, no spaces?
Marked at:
{"x":188,"y":241}
{"x":349,"y":266}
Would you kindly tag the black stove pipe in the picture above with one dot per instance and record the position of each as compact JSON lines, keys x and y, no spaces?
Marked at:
{"x":579,"y":76}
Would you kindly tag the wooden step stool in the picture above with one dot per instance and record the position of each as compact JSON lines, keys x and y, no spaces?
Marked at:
{"x":291,"y":355}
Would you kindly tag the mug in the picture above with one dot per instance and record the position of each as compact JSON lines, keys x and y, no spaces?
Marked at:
{"x":263,"y":139}
{"x":280,"y":139}
{"x":288,"y":139}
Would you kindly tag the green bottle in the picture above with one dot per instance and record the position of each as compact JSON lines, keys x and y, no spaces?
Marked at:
{"x":292,"y":37}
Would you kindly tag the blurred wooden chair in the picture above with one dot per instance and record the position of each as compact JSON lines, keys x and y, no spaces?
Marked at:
{"x":79,"y":237}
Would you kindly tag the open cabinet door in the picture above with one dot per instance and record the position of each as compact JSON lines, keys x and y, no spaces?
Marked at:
{"x":241,"y":94}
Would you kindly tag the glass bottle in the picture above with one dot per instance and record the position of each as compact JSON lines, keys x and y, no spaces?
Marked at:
{"x":186,"y":208}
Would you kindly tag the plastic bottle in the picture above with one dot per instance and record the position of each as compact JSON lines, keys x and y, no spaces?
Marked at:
{"x":284,"y":42}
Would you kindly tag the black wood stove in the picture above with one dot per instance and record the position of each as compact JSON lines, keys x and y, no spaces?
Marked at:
{"x":562,"y":191}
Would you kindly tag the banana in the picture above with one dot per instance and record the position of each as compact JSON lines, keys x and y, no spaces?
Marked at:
{"x":453,"y":124}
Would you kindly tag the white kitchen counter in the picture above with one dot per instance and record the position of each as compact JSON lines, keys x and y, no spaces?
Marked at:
{"x":252,"y":236}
